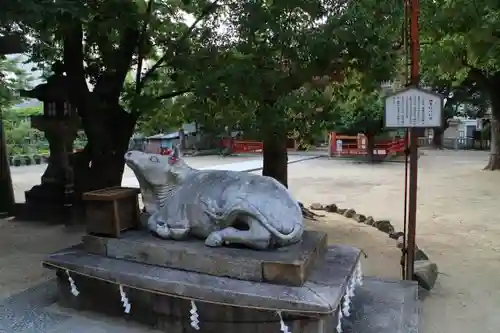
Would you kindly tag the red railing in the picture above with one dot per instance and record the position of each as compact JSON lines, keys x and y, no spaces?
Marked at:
{"x":338,"y":147}
{"x":242,"y":146}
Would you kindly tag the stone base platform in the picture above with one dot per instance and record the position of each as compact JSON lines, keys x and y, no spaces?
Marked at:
{"x":289,"y":265}
{"x":378,"y":306}
{"x":161,"y":297}
{"x":384,"y":306}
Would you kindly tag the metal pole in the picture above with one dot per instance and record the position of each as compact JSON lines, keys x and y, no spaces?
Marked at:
{"x":412,"y":202}
{"x":407,"y":141}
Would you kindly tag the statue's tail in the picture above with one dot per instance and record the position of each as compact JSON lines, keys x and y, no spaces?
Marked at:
{"x":231,"y":213}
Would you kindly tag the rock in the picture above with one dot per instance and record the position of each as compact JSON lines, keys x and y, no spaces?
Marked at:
{"x":370,"y":220}
{"x":349,"y":213}
{"x":360,"y":218}
{"x":341,"y":211}
{"x":331,"y":208}
{"x":400,"y":241}
{"x":420,"y":255}
{"x":384,"y":226}
{"x":425,"y":273}
{"x":396,"y":235}
{"x":317,"y":206}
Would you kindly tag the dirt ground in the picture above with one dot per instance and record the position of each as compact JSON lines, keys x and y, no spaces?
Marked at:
{"x":457,"y":228}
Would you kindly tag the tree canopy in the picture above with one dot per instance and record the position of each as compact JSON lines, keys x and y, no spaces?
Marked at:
{"x":460,"y":50}
{"x":277,"y":68}
{"x":12,"y":78}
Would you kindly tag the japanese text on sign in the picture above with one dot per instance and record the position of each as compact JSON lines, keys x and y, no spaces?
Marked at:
{"x":413,"y":108}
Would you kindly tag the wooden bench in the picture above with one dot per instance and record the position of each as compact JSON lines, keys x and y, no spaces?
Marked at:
{"x":111,"y":210}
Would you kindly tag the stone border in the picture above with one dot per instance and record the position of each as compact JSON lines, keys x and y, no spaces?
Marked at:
{"x":32,"y":159}
{"x":425,"y":271}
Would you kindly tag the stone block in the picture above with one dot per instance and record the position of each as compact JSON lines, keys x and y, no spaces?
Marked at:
{"x":288,"y":265}
{"x":384,"y":306}
{"x":360,"y":218}
{"x":332,"y":208}
{"x":170,"y":314}
{"x":425,"y":273}
{"x":349,"y":213}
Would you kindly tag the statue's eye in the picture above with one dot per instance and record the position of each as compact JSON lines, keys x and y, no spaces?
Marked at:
{"x":154,"y":159}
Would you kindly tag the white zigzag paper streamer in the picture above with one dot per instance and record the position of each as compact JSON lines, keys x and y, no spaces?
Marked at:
{"x":283,"y":327}
{"x":345,"y":308}
{"x":346,"y":305}
{"x":72,"y":285}
{"x":195,"y":323}
{"x":339,"y":323}
{"x":359,"y":275}
{"x":124,"y":300}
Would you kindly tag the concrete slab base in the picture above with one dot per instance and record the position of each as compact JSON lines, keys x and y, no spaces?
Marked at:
{"x":379,"y":306}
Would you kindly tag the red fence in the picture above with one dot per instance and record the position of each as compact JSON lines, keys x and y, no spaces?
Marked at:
{"x":344,"y":145}
{"x":242,"y":146}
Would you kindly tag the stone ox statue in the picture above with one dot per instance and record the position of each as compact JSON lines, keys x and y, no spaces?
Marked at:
{"x":222,"y":207}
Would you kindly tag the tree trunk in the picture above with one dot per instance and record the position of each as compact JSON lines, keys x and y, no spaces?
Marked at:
{"x":101,"y":163}
{"x":437,"y":139}
{"x":276,"y":157}
{"x":370,"y":146}
{"x":7,"y":201}
{"x":494,"y":161}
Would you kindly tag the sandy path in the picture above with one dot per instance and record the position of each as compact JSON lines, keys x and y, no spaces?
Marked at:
{"x":25,"y":177}
{"x":457,"y":226}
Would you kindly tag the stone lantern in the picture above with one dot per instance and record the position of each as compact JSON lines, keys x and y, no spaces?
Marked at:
{"x":60,"y":123}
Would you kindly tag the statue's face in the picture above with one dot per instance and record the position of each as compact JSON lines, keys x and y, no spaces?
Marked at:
{"x":155,"y":169}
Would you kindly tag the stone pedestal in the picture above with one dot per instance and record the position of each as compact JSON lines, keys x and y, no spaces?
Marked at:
{"x":290,"y":265}
{"x":162,"y":296}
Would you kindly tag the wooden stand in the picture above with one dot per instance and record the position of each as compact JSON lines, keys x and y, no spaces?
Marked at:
{"x":112,"y":210}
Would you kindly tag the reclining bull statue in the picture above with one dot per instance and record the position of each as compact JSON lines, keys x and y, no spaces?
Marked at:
{"x":222,"y":207}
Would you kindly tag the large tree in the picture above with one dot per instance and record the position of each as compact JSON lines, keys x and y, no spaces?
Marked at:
{"x":101,"y":43}
{"x":243,"y":55}
{"x":270,"y":51}
{"x":358,"y":107}
{"x":460,"y":42}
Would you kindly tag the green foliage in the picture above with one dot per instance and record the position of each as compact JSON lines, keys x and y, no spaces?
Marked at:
{"x":28,"y":111}
{"x":166,"y":115}
{"x":357,"y":108}
{"x":460,"y":41}
{"x":12,"y":79}
{"x":21,"y":138}
{"x":273,"y":58}
{"x":259,"y":66}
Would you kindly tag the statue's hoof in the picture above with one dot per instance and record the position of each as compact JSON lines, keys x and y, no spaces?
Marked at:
{"x":214,"y":239}
{"x":178,"y":234}
{"x":163,"y":231}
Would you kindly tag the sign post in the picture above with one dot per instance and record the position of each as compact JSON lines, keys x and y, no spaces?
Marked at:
{"x":412,"y":109}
